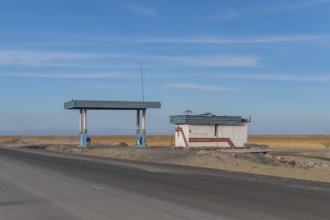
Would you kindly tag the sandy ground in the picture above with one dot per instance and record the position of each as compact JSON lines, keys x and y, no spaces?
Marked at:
{"x":271,"y":141}
{"x":108,"y":140}
{"x":305,"y":157}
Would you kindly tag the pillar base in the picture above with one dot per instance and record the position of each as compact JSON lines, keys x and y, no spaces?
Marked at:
{"x":141,"y":139}
{"x":83,"y":140}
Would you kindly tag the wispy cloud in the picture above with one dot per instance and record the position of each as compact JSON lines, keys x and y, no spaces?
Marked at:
{"x":70,"y":75}
{"x":18,"y":57}
{"x":90,"y":75}
{"x":199,"y":87}
{"x":197,"y":39}
{"x":311,"y":78}
{"x":70,"y":59}
{"x":302,"y":4}
{"x":100,"y":60}
{"x":223,"y":15}
{"x":273,"y":77}
{"x":107,"y":86}
{"x":147,"y":11}
{"x":212,"y":61}
{"x":205,"y":87}
{"x":234,"y":40}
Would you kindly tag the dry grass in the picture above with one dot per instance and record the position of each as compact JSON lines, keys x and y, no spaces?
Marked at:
{"x":271,"y":141}
{"x":320,"y":141}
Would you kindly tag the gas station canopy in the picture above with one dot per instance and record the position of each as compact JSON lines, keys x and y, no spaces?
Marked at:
{"x":110,"y":105}
{"x":139,"y":107}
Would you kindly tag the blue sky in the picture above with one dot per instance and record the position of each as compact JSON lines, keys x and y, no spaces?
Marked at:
{"x":264,"y":58}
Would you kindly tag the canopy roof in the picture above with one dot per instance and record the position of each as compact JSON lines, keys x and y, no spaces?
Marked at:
{"x":109,"y":105}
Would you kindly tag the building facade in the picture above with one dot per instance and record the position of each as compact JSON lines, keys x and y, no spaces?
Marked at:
{"x":208,"y":130}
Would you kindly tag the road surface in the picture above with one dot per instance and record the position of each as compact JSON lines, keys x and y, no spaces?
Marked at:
{"x":40,"y":185}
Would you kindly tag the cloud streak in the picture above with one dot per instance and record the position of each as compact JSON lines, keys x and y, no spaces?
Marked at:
{"x":273,"y":77}
{"x":222,"y":40}
{"x":32,"y":58}
{"x":210,"y":88}
{"x":70,"y":75}
{"x":193,"y":86}
{"x":300,"y":5}
{"x":211,"y":61}
{"x":108,"y":87}
{"x":236,"y":76}
{"x":223,"y":15}
{"x":147,"y":11}
{"x":100,"y":60}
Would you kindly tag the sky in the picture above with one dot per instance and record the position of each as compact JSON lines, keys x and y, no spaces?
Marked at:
{"x":268,"y":59}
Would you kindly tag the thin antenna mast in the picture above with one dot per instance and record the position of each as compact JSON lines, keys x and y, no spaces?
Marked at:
{"x":142,"y":83}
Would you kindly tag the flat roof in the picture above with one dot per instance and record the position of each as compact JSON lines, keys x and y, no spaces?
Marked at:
{"x":207,"y":120}
{"x":109,"y":105}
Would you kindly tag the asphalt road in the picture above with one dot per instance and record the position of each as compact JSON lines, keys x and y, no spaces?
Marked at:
{"x":35,"y":184}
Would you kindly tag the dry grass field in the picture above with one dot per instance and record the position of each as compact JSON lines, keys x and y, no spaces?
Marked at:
{"x":320,"y":141}
{"x":271,"y":141}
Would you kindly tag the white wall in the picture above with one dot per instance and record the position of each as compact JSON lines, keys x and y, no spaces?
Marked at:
{"x":200,"y":131}
{"x":179,"y":140}
{"x":237,"y":134}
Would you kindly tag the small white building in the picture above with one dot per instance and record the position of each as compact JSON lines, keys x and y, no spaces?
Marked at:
{"x":208,"y":130}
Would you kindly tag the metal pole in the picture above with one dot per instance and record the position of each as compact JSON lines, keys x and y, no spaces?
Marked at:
{"x":142,"y":84}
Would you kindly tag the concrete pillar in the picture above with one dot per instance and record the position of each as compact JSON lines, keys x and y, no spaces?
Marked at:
{"x":85,"y":120}
{"x":83,"y":127}
{"x":143,"y":121}
{"x":138,"y":127}
{"x":137,"y":120}
{"x":140,"y":130}
{"x":80,"y":121}
{"x":143,"y":135}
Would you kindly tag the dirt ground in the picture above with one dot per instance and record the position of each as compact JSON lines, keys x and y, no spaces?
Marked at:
{"x":96,"y":140}
{"x":299,"y":157}
{"x":272,"y":141}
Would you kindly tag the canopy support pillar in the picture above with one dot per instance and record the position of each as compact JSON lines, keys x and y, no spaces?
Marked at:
{"x":141,"y":130}
{"x":83,"y":127}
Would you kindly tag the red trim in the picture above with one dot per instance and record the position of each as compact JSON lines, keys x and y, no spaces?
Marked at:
{"x":179,"y":129}
{"x":228,"y":140}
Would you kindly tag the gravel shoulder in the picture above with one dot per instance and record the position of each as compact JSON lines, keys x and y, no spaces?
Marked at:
{"x":306,"y":164}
